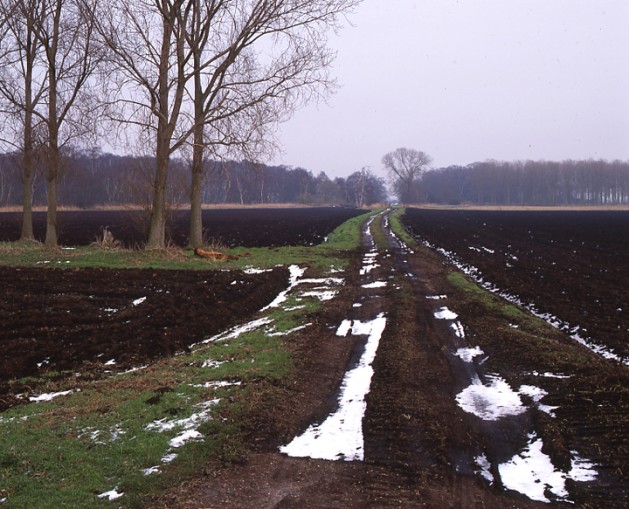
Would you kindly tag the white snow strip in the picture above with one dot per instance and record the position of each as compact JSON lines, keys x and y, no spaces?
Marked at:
{"x":340,"y":436}
{"x":111,"y":495}
{"x":235,"y":332}
{"x":468,"y":354}
{"x":151,"y":470}
{"x":436,"y":297}
{"x":328,"y":281}
{"x":445,"y":314}
{"x":377,"y":284}
{"x":322,"y":295}
{"x":490,"y":402}
{"x":290,"y":331}
{"x":49,"y":396}
{"x":218,"y":384}
{"x":139,"y":301}
{"x":550,"y":375}
{"x":254,"y":270}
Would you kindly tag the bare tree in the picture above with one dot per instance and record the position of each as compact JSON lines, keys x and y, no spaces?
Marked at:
{"x":23,"y":80}
{"x":149,"y":58}
{"x":214,"y":74}
{"x":405,"y":166}
{"x":64,"y":29}
{"x":253,"y":62}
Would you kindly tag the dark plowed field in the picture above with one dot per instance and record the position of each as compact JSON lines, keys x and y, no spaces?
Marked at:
{"x":571,"y":264}
{"x":91,"y":320}
{"x":231,"y":227}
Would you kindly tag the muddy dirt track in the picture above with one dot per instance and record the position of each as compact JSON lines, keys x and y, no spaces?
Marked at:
{"x":246,"y":227}
{"x":422,"y":446}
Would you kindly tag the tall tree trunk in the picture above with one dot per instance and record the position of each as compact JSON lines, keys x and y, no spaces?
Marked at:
{"x":27,"y":158}
{"x":53,"y":159}
{"x":157,"y":224}
{"x":198,"y":147}
{"x":51,"y":217}
{"x":196,"y":212}
{"x":27,"y":190}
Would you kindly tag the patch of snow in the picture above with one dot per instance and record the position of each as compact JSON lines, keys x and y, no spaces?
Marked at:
{"x":366,"y":269}
{"x":485,"y":468}
{"x":550,"y":375}
{"x":211,"y":363}
{"x":322,"y":295}
{"x":492,"y":401}
{"x":376,"y":284}
{"x":436,"y":297}
{"x":344,"y":328}
{"x":217,"y":384}
{"x":253,"y":270}
{"x":111,"y":495}
{"x":357,"y":305}
{"x":110,"y":362}
{"x":169,"y":458}
{"x":582,"y":470}
{"x":138,"y":368}
{"x":151,"y":470}
{"x":184,"y":437}
{"x":48,"y":397}
{"x":536,"y":394}
{"x":458,"y":329}
{"x":468,"y":354}
{"x":235,"y":332}
{"x":445,"y":314}
{"x":188,"y":423}
{"x":532,"y":473}
{"x":290,"y":331}
{"x":294,"y":308}
{"x":340,"y":436}
{"x":139,"y":301}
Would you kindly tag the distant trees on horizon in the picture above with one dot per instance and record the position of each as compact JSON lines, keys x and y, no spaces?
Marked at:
{"x":590,"y":182}
{"x":93,"y":179}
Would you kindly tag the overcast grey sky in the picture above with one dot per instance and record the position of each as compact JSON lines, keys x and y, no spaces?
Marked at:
{"x":471,"y":80}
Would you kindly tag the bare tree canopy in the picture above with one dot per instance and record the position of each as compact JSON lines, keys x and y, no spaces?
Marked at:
{"x":47,"y":56}
{"x":213,"y":75}
{"x":405,"y":166}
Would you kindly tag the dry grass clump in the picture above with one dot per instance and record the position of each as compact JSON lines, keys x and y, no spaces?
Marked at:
{"x":107,"y":241}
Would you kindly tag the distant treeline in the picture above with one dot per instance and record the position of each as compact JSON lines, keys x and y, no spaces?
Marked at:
{"x":101,"y":179}
{"x":527,"y":183}
{"x":98,"y":179}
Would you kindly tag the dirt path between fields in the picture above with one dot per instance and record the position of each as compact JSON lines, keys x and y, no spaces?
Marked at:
{"x":420,"y":448}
